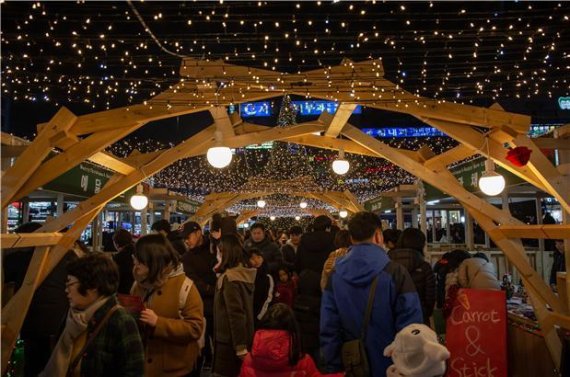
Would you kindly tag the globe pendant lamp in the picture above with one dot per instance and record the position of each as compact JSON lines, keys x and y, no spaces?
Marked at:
{"x":343,"y":213}
{"x":219,"y":156}
{"x":139,"y":200}
{"x":491,"y":183}
{"x":261,"y":203}
{"x":340,"y":166}
{"x":272,"y":218}
{"x":297,"y":218}
{"x":303,"y":204}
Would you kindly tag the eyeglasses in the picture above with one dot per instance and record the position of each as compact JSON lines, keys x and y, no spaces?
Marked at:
{"x":71,"y":283}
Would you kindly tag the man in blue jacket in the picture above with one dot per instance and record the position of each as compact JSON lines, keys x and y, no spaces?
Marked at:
{"x":396,"y":303}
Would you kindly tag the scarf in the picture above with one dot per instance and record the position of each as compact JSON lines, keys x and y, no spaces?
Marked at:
{"x":75,"y":325}
{"x":167,"y":273}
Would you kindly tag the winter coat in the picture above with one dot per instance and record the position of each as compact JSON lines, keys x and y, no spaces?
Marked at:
{"x":269,"y":357}
{"x":263,"y":292}
{"x":289,"y":252}
{"x":422,"y":276}
{"x":270,"y":250}
{"x":477,"y":273}
{"x":307,"y":307}
{"x":172,"y":346}
{"x":314,"y":250}
{"x":124,"y":261}
{"x":285,"y":293}
{"x":233,"y":319}
{"x":117,"y":350}
{"x":558,"y":265}
{"x":396,"y":305}
{"x":329,"y":265}
{"x":199,"y":267}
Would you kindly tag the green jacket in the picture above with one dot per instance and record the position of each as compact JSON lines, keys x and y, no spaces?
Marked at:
{"x":117,"y":350}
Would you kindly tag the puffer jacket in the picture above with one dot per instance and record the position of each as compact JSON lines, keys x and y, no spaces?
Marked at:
{"x":270,"y":357}
{"x":422,"y":276}
{"x":477,"y":273}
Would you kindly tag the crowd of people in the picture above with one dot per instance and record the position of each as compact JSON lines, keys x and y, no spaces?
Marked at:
{"x":175,"y":302}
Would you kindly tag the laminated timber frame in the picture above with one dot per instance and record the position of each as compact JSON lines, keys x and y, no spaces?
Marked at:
{"x":211,"y":85}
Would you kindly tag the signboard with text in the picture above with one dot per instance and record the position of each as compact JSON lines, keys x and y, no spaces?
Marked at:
{"x":476,"y":334}
{"x":85,"y":180}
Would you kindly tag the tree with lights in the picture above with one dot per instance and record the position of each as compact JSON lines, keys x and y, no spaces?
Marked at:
{"x":287,"y":160}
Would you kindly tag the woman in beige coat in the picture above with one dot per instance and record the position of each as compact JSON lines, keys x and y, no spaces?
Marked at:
{"x":173,"y":315}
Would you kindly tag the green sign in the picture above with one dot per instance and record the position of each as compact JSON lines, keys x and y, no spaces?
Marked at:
{"x":378,"y":204}
{"x":84,"y":180}
{"x":564,"y":103}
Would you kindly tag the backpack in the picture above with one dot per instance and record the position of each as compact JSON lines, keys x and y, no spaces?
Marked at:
{"x":182,"y":297}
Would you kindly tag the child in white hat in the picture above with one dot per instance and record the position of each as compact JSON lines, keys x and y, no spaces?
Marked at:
{"x":416,"y":353}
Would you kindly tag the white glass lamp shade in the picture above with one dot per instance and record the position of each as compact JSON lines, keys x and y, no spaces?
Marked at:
{"x":491,"y":183}
{"x":139,"y":200}
{"x":272,"y":218}
{"x":246,"y":225}
{"x":340,"y":167}
{"x":343,"y":213}
{"x":261,"y":203}
{"x":297,"y":218}
{"x":303,"y":205}
{"x":219,"y":157}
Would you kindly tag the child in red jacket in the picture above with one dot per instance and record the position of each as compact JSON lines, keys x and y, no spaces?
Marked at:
{"x":276,"y":350}
{"x":285,"y":289}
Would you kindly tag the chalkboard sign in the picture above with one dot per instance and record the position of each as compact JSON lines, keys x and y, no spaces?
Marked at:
{"x":476,"y":334}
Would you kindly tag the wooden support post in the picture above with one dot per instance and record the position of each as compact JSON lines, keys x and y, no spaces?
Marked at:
{"x":144,"y":221}
{"x":29,"y":161}
{"x":469,"y":234}
{"x":538,"y":206}
{"x":40,"y":266}
{"x":399,"y":213}
{"x":60,"y":204}
{"x":343,"y":112}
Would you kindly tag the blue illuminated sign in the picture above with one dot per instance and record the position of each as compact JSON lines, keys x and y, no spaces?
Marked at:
{"x":403,"y":132}
{"x":255,"y":109}
{"x":317,"y":107}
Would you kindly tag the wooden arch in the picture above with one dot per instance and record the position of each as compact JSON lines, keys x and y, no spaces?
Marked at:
{"x":212,"y":85}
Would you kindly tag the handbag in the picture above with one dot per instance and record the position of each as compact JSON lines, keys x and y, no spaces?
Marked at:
{"x":354,"y":356}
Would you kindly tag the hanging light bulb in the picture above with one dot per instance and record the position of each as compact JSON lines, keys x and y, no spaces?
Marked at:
{"x":303,"y":204}
{"x":491,"y":182}
{"x":219,"y":156}
{"x":297,"y":218}
{"x":343,"y":213}
{"x":261,"y":203}
{"x":245,"y":225}
{"x":139,"y":200}
{"x":272,"y":218}
{"x":340,"y":166}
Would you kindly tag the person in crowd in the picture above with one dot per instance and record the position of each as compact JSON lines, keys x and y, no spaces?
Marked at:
{"x":285,"y":288}
{"x":395,"y":304}
{"x":410,"y":254}
{"x":478,"y":273}
{"x":123,"y":241}
{"x":448,"y":263}
{"x":391,"y":237}
{"x":100,"y":338}
{"x":307,"y":306}
{"x":559,"y":263}
{"x":549,"y":244}
{"x":277,"y":349}
{"x":163,"y":227}
{"x":315,"y":246}
{"x":264,"y":284}
{"x":281,"y":238}
{"x":173,"y":315}
{"x":39,"y":332}
{"x":199,"y":265}
{"x":259,"y":240}
{"x":342,"y":241}
{"x":233,"y":308}
{"x":451,"y":278}
{"x":289,"y":250}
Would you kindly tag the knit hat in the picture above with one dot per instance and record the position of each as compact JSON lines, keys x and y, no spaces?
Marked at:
{"x":416,"y":353}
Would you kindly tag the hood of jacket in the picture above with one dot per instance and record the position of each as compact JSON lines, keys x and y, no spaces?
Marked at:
{"x":409,"y":258}
{"x":270,"y":350}
{"x":318,"y":242}
{"x":362,"y":264}
{"x":239,"y":273}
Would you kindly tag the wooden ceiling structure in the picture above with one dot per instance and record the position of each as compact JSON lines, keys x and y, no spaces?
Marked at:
{"x":213,"y":85}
